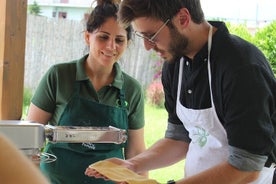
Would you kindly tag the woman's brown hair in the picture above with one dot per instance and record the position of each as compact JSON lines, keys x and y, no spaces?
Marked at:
{"x":104,"y":10}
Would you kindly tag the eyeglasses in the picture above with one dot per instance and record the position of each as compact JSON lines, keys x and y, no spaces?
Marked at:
{"x":150,"y":39}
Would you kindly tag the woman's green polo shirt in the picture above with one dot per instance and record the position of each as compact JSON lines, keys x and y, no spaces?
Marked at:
{"x":56,"y":88}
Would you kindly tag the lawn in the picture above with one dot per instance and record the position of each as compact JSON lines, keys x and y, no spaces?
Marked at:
{"x":156,"y":123}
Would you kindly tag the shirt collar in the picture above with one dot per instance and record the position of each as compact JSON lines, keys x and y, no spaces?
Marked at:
{"x":202,"y":55}
{"x":119,"y":79}
{"x":81,"y":75}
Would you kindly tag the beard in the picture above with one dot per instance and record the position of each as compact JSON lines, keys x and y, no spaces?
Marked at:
{"x":177,"y":45}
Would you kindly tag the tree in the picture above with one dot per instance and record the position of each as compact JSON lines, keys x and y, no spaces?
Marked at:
{"x":265,"y":39}
{"x":34,"y":9}
{"x":241,"y":30}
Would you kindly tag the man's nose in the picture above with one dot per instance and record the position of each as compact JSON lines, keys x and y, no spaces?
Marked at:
{"x":148,"y":45}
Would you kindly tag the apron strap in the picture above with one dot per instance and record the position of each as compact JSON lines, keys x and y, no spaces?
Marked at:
{"x":209,"y":64}
{"x":122,"y":98}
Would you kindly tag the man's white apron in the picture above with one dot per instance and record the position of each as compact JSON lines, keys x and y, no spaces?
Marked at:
{"x":209,"y":146}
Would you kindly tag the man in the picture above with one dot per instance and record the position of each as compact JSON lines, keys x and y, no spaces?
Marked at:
{"x":220,"y":87}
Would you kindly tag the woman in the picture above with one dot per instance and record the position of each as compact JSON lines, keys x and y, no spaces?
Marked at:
{"x":91,"y":91}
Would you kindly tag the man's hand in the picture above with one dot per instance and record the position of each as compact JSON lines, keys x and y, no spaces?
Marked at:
{"x":93,"y":173}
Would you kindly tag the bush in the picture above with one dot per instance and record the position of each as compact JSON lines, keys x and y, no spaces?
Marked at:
{"x":155,"y":93}
{"x":240,"y":30}
{"x":26,"y":100}
{"x":34,"y":9}
{"x":265,"y":39}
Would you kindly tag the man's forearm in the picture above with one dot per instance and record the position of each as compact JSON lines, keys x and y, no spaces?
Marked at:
{"x":223,"y":173}
{"x":163,"y":153}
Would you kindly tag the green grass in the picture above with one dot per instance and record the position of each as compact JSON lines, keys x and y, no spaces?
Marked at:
{"x":156,"y":123}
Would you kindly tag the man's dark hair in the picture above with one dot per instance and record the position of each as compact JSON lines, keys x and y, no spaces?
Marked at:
{"x":158,"y":9}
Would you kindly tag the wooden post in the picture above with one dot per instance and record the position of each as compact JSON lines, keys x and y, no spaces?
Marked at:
{"x":13,"y":15}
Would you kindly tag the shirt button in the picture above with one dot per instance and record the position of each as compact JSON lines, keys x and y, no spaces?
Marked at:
{"x":205,"y":59}
{"x":190,"y":91}
{"x":187,"y":63}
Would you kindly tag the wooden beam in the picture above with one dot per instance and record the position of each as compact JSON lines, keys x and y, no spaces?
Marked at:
{"x":13,"y":14}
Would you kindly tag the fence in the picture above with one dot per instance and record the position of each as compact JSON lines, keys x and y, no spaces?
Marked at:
{"x":51,"y":41}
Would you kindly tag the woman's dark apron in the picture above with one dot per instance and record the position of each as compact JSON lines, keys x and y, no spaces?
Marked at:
{"x":74,"y":158}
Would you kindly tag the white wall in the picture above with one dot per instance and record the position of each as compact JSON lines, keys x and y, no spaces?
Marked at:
{"x":75,"y":8}
{"x":72,"y":13}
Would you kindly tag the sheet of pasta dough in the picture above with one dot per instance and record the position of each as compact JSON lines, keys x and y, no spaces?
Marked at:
{"x":119,"y":173}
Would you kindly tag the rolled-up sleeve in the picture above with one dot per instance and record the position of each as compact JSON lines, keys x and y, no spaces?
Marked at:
{"x":245,"y":161}
{"x":177,"y":132}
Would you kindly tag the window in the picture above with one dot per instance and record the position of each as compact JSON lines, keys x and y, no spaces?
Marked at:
{"x":62,"y":15}
{"x":86,"y":16}
{"x":54,"y":14}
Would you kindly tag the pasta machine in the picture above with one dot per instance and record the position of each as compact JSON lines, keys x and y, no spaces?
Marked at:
{"x":30,"y":137}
